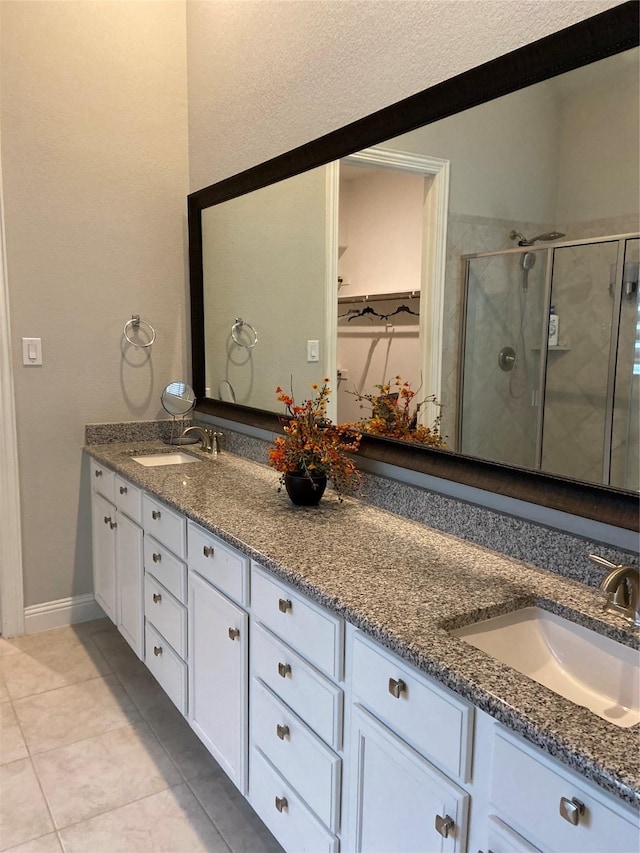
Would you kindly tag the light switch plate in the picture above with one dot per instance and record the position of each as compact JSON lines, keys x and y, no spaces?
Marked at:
{"x":32,"y":351}
{"x":313,"y":350}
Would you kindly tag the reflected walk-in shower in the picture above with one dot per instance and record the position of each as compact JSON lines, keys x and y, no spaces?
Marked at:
{"x":565,"y":403}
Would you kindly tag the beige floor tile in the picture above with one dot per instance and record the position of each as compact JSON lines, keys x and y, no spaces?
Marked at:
{"x":55,"y":638}
{"x":103,"y":773}
{"x":12,"y":745}
{"x":118,"y":653}
{"x":23,"y":811}
{"x":234,"y":818}
{"x":45,"y":844}
{"x":69,"y":714}
{"x":7,"y":647}
{"x":48,"y":667}
{"x":168,"y":822}
{"x":178,"y":738}
{"x":144,"y":690}
{"x":4,"y":693}
{"x":94,"y":626}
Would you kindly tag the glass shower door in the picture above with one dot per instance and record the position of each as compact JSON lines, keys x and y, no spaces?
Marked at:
{"x":576,"y":423}
{"x":625,"y":437}
{"x":499,"y":396}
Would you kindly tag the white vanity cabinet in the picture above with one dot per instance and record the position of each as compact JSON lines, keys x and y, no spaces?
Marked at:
{"x":165,"y":598}
{"x":409,"y":745}
{"x":550,"y":807}
{"x":117,"y":552}
{"x":219,"y":650}
{"x":296,"y":713}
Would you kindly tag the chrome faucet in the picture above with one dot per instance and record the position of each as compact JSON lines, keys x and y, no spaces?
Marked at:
{"x":209,"y":438}
{"x":622,"y":585}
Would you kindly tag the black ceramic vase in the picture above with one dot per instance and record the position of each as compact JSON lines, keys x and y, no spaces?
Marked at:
{"x":303,"y":490}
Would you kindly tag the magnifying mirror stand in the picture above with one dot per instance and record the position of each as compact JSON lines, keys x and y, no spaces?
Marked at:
{"x":180,"y":439}
{"x":178,"y":400}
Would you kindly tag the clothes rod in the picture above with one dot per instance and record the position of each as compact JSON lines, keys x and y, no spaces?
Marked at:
{"x":379,"y":297}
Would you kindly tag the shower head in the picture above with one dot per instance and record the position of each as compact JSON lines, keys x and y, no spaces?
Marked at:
{"x":544,"y":238}
{"x":527,"y":261}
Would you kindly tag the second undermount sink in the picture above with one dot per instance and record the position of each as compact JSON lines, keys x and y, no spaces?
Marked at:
{"x":153,"y":460}
{"x":589,"y":669}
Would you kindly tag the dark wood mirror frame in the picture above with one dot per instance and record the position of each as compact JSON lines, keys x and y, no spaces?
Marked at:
{"x":596,"y":38}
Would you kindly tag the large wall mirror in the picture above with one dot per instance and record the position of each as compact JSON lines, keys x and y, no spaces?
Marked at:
{"x":480,"y":240}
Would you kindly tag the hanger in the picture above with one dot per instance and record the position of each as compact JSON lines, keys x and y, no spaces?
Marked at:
{"x":400,"y":309}
{"x":367,"y":310}
{"x":350,"y":311}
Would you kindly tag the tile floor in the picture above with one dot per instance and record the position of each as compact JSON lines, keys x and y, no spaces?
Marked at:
{"x":94,"y":757}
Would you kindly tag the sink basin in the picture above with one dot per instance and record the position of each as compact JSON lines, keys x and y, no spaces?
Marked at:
{"x":585,"y":667}
{"x":177,"y":458}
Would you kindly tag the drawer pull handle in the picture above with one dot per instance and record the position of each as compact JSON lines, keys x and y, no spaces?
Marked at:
{"x":157,"y":650}
{"x":155,"y":514}
{"x":284,"y":604}
{"x":157,"y":598}
{"x":444,"y":825}
{"x":98,"y":473}
{"x":284,"y":669}
{"x":107,"y":519}
{"x":208,"y":550}
{"x":397,"y":688}
{"x":123,"y":490}
{"x":156,"y":558}
{"x":112,"y":524}
{"x":234,"y":633}
{"x":571,"y":810}
{"x":281,"y":804}
{"x":282,"y":731}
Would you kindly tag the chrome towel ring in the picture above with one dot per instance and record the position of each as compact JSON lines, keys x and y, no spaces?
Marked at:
{"x":236,"y":330}
{"x":134,"y":323}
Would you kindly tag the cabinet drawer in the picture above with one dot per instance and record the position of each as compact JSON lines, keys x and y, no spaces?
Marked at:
{"x":166,"y":614}
{"x":529,"y":792}
{"x":164,"y":524}
{"x":219,"y":563}
{"x":298,"y":754}
{"x":432,"y":720}
{"x":314,"y":632}
{"x":311,"y":695}
{"x":284,"y":812}
{"x":165,"y":665}
{"x":502,"y":839}
{"x":128,"y":499}
{"x":171,"y":572}
{"x":102,"y":480}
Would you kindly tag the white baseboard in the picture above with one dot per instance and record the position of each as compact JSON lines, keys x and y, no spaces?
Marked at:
{"x":65,"y":611}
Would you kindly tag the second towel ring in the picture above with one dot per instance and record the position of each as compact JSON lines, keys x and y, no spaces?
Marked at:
{"x":236,"y":330}
{"x":134,"y":323}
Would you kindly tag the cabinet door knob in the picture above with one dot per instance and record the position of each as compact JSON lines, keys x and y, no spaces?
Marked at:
{"x":208,"y":550}
{"x":155,"y":514}
{"x":156,"y":558}
{"x":284,"y":604}
{"x":98,"y":473}
{"x":281,"y":803}
{"x":157,"y":598}
{"x":397,"y":688}
{"x":107,"y":519}
{"x":571,"y":810}
{"x":284,"y":669}
{"x":157,"y":650}
{"x":123,"y":490}
{"x":113,"y":524}
{"x":444,"y":825}
{"x":234,"y":633}
{"x":282,"y":731}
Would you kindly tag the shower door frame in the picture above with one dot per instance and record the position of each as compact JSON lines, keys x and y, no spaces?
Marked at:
{"x":549,"y":248}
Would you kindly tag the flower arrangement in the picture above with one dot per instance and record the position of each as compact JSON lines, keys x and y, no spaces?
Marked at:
{"x":392,"y":415}
{"x":313,"y":446}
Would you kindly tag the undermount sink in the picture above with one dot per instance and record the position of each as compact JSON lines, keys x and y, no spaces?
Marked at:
{"x":177,"y":458}
{"x":589,"y":669}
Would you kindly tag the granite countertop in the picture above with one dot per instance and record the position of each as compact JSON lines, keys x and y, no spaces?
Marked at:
{"x":405,"y":585}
